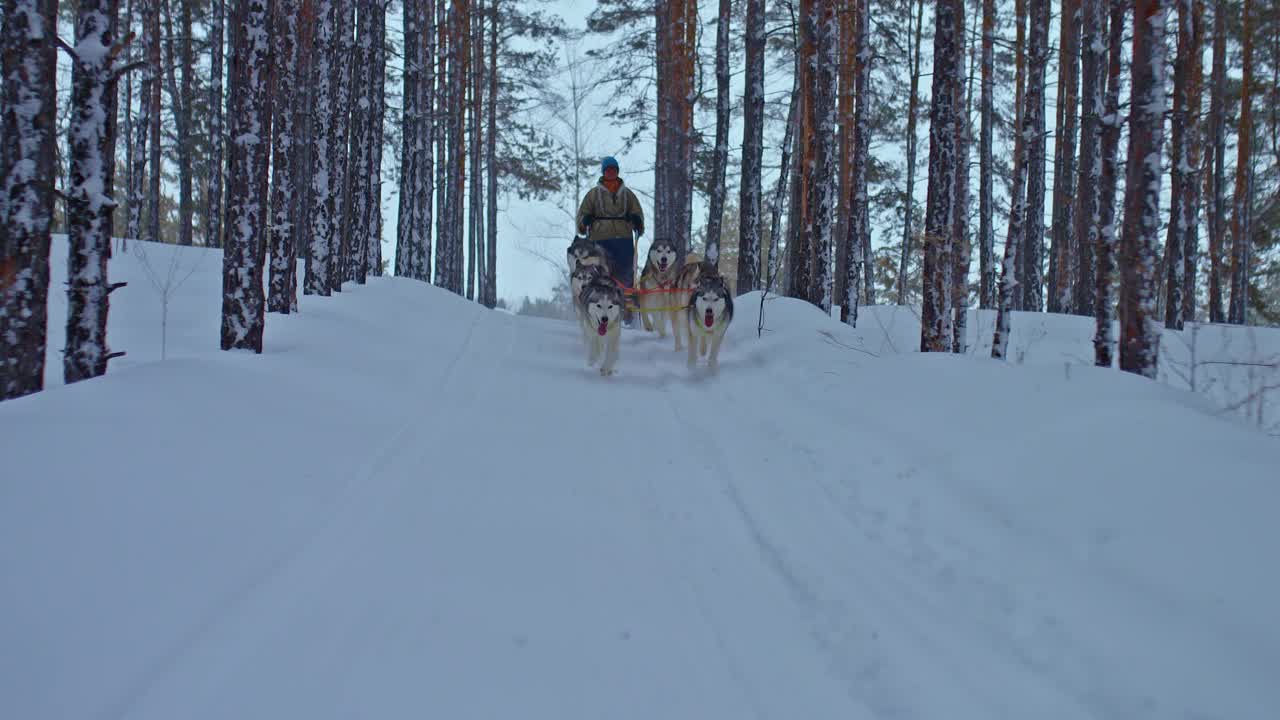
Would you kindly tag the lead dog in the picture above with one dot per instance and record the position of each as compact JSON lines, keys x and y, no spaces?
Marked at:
{"x":707,"y":319}
{"x":659,"y":273}
{"x":601,"y":304}
{"x":579,"y":279}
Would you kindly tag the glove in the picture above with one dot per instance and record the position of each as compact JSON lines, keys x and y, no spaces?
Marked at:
{"x":636,"y":222}
{"x":587,"y":220}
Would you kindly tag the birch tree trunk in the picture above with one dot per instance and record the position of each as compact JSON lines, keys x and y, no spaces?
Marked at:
{"x":940,"y":208}
{"x":1139,"y":255}
{"x":91,"y":137}
{"x":27,"y":148}
{"x":749,"y":202}
{"x":242,"y":300}
{"x":1105,"y":299}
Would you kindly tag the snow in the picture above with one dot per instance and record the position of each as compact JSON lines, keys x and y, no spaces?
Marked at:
{"x":453,"y":517}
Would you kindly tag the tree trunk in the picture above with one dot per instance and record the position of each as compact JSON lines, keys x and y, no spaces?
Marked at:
{"x":1238,"y":311}
{"x":1218,"y":152}
{"x":303,"y":165}
{"x":182,"y":94}
{"x":1139,"y":254}
{"x":858,"y":240}
{"x":986,"y":206}
{"x":27,"y":149}
{"x":784,"y":181}
{"x":474,"y":267}
{"x":846,"y":50}
{"x":242,"y":301}
{"x":1104,"y":299}
{"x":284,"y":253}
{"x":378,"y":82}
{"x":410,"y":136}
{"x":153,"y":50}
{"x":1061,"y":280}
{"x":944,"y":115}
{"x":913,"y":110}
{"x":1182,"y":165}
{"x":339,"y":148}
{"x":361,"y":154}
{"x":1088,"y":232}
{"x":749,"y":202}
{"x":214,"y":237}
{"x":137,"y":180}
{"x":1038,"y":59}
{"x":491,"y":157}
{"x":799,"y":249}
{"x":820,"y":181}
{"x":1195,"y":146}
{"x":323,"y":199}
{"x":961,"y":242}
{"x":1017,"y":229}
{"x":676,"y":30}
{"x":89,"y":189}
{"x":721,"y":157}
{"x":440,"y":115}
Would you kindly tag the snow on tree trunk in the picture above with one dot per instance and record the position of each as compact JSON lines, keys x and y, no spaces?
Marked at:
{"x":216,"y":21}
{"x":1240,"y":208}
{"x":986,"y":206}
{"x":89,"y":202}
{"x":474,"y":79}
{"x":424,"y":162}
{"x":961,"y":241}
{"x":1062,"y":265}
{"x":1088,"y":231}
{"x":940,"y":207}
{"x":1018,"y":192}
{"x":821,"y":25}
{"x":443,"y":128}
{"x":491,"y":158}
{"x":362,"y":141}
{"x":1104,"y":297}
{"x":152,"y":19}
{"x":859,"y":274}
{"x":749,"y":202}
{"x":250,"y":110}
{"x":378,"y":80}
{"x":1218,"y":151}
{"x":409,"y":138}
{"x":339,"y":146}
{"x":913,"y":105}
{"x":1195,"y":146}
{"x":323,"y":199}
{"x":1034,"y":123}
{"x":284,"y":253}
{"x":303,"y":165}
{"x":28,"y":145}
{"x":720,"y":156}
{"x":182,"y":96}
{"x":847,"y":49}
{"x":1139,"y":243}
{"x":799,"y":247}
{"x":1182,"y":165}
{"x":138,"y":177}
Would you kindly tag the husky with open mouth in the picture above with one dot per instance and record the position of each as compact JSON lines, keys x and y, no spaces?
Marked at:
{"x":707,"y":319}
{"x":691,"y":273}
{"x":601,"y":305}
{"x":660,"y":271}
{"x":578,"y":281}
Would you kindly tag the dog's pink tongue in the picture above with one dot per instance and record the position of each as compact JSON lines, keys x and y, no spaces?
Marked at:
{"x":662,"y":264}
{"x":709,"y":319}
{"x":604,"y":327}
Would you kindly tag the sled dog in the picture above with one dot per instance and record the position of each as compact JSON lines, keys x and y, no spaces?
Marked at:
{"x":659,"y":273}
{"x":707,"y":318}
{"x":578,"y":281}
{"x":601,"y":308}
{"x":694,"y":269}
{"x":585,"y":252}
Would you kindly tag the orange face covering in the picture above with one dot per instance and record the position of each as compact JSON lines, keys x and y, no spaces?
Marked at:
{"x":612,"y":184}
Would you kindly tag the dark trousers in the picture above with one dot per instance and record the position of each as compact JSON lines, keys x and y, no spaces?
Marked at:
{"x":622,"y":258}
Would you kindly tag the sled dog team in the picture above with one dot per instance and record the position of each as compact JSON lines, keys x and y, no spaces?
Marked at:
{"x":691,"y":293}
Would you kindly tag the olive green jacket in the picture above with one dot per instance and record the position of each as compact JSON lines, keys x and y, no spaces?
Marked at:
{"x":603,"y":214}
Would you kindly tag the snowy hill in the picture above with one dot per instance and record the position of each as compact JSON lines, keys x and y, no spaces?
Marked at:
{"x":410,"y":506}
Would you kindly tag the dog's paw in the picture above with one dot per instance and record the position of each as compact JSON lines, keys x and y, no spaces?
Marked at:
{"x":607,"y":372}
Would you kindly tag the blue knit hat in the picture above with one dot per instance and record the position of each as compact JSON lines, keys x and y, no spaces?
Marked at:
{"x":608,"y":162}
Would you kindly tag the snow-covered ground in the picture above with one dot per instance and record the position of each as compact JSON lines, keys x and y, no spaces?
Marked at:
{"x":410,"y":506}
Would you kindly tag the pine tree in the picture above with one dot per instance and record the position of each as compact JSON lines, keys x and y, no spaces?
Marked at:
{"x":423,"y":182}
{"x":491,"y":156}
{"x":1061,"y":265}
{"x":986,"y":206}
{"x":323,"y":211}
{"x":1104,"y":298}
{"x":152,"y":19}
{"x":1217,"y":162}
{"x":1088,"y":218}
{"x":216,"y":22}
{"x":250,"y":113}
{"x":1017,"y":230}
{"x":1034,"y":127}
{"x":91,"y":137}
{"x":284,"y":252}
{"x":182,"y":97}
{"x":1240,"y":210}
{"x":944,"y":115}
{"x":27,"y":148}
{"x":378,"y":76}
{"x":749,"y":202}
{"x":961,"y":242}
{"x":410,"y":137}
{"x":673,"y":182}
{"x":1139,"y":333}
{"x":340,"y":144}
{"x":818,"y":221}
{"x":721,"y":154}
{"x":858,"y":234}
{"x":1195,"y":151}
{"x":913,"y":104}
{"x":137,"y":179}
{"x":1182,"y":165}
